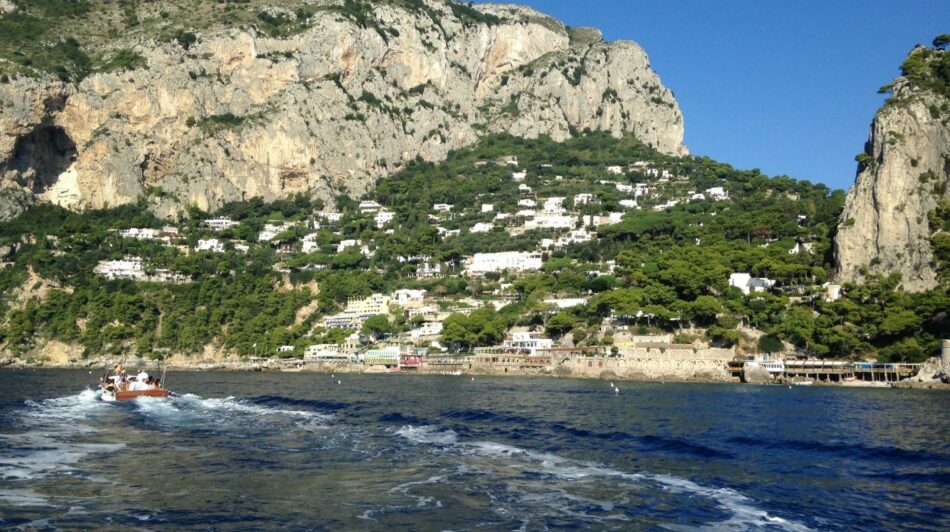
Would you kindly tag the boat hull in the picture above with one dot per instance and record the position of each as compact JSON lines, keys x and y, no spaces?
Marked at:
{"x":133,"y":394}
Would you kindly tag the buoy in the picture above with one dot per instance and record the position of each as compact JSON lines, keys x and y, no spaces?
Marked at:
{"x":339,"y":382}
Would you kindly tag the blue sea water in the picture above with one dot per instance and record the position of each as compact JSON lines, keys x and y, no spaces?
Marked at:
{"x":310,"y":451}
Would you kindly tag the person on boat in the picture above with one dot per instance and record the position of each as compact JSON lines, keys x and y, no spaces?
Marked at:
{"x":119,"y":369}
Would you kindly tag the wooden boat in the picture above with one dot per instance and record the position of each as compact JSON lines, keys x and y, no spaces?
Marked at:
{"x":110,"y":396}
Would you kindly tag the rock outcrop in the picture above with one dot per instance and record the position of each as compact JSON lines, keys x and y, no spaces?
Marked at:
{"x":327,"y":110}
{"x":902,"y":175}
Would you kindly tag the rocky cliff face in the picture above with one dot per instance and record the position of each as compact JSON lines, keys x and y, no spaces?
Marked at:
{"x":901,"y":176}
{"x":329,"y":109}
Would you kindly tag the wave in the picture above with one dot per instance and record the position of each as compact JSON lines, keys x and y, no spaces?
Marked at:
{"x":46,"y":447}
{"x":843,"y":449}
{"x":196,"y":412}
{"x":536,"y":471}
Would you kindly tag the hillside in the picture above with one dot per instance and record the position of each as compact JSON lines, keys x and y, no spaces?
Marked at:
{"x":627,"y":238}
{"x":887,"y":224}
{"x":200,"y":103}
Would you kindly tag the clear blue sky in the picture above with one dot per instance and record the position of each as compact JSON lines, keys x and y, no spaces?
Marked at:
{"x":789,"y":87}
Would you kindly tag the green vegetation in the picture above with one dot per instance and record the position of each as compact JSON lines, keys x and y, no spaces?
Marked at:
{"x":929,"y":68}
{"x":670,"y":265}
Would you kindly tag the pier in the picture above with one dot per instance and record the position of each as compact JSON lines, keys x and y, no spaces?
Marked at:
{"x":837,"y":371}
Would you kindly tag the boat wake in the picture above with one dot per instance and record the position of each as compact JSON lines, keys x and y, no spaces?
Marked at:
{"x":54,"y":439}
{"x":574,"y":489}
{"x":191,"y":411}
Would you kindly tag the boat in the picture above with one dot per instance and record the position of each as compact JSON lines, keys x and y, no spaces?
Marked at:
{"x":803,"y":383}
{"x":110,"y":396}
{"x":119,"y":388}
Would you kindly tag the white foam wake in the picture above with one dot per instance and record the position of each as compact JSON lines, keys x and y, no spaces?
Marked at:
{"x":47,"y":446}
{"x":743,"y":512}
{"x":191,"y":410}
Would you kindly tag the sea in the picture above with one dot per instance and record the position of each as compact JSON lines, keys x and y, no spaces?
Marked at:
{"x":313,"y":451}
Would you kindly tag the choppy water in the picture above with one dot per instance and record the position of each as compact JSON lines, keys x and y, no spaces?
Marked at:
{"x":295,"y":451}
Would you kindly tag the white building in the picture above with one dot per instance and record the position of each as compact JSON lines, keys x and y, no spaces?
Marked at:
{"x":346,"y":244}
{"x":524,"y":189}
{"x":614,"y":170}
{"x":622,"y":187}
{"x":221,"y":223}
{"x":285,"y":349}
{"x":520,"y":261}
{"x":488,"y":207}
{"x":566,"y":302}
{"x":800,"y":247}
{"x":212,"y":244}
{"x":442,"y":207}
{"x":518,"y":176}
{"x":140,"y":234}
{"x":583,"y":199}
{"x":369,"y":206}
{"x":550,"y":221}
{"x":309,"y":243}
{"x":629,"y":204}
{"x":481,"y":227}
{"x":426,"y":331}
{"x":243,"y":248}
{"x":357,"y":311}
{"x":748,"y":284}
{"x":527,"y":341}
{"x":717,"y":193}
{"x":527,"y":203}
{"x":383,"y":217}
{"x":553,"y":205}
{"x":128,"y":268}
{"x":408,"y":297}
{"x":326,"y":353}
{"x":331,"y":216}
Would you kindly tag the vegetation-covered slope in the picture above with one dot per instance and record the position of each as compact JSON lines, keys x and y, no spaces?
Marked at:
{"x":670,"y":264}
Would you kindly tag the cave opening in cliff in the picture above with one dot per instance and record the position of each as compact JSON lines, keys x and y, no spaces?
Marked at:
{"x":41,"y":156}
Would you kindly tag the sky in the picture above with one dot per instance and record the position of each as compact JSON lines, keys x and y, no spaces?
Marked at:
{"x":788,"y":87}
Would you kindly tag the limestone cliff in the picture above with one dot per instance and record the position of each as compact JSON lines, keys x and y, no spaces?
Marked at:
{"x":902,"y":174}
{"x":329,"y":109}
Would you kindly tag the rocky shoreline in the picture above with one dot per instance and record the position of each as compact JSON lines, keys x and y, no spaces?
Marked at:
{"x":930,"y":378}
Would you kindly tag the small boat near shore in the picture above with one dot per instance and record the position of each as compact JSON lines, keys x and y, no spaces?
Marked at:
{"x":121,"y":387}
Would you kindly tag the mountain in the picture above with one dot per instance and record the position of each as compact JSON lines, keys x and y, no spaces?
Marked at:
{"x":902,"y":177}
{"x":203,"y":103}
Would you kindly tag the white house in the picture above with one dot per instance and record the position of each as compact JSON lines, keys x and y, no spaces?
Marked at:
{"x":331,"y":216}
{"x":346,"y":244}
{"x":369,"y":206}
{"x":519,"y":176}
{"x":527,"y":341}
{"x":481,"y":227}
{"x":442,"y":207}
{"x":527,"y":203}
{"x":310,"y":243}
{"x":212,"y":244}
{"x":748,"y":284}
{"x":426,"y":330}
{"x":717,"y":193}
{"x":406,"y":296}
{"x":243,"y":248}
{"x":524,"y":189}
{"x":221,"y":223}
{"x":128,"y":268}
{"x":614,"y":170}
{"x":622,"y":187}
{"x":800,"y":247}
{"x":520,"y":261}
{"x":383,"y":217}
{"x":629,"y":204}
{"x":553,"y":205}
{"x":550,"y":221}
{"x":583,"y":199}
{"x":488,"y":207}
